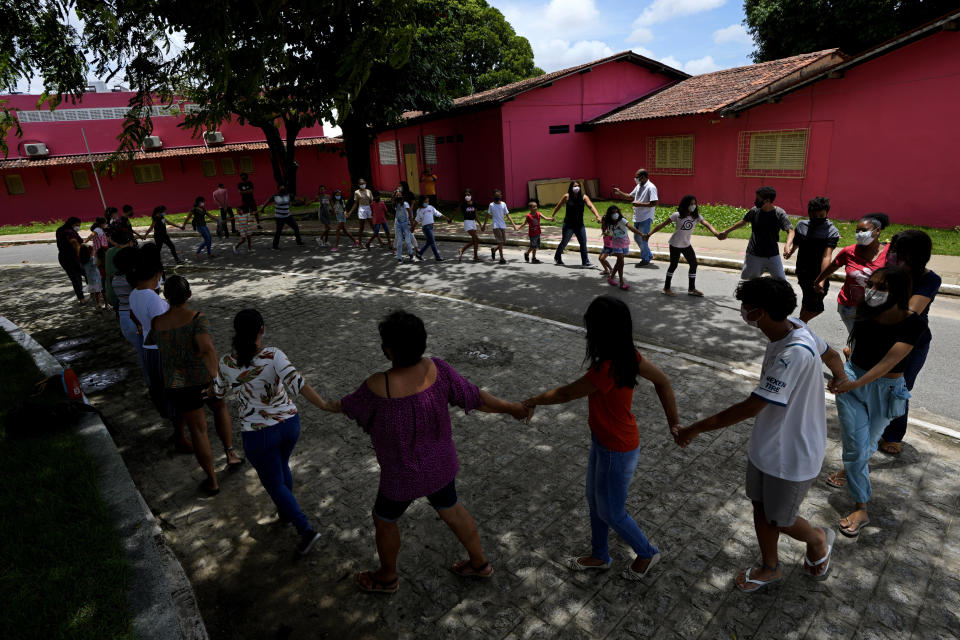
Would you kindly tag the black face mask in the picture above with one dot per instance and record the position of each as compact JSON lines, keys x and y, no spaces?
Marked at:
{"x":758,"y":203}
{"x":816,"y":222}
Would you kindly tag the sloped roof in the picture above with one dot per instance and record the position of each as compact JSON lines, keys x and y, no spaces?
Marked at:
{"x":173,"y":152}
{"x":507,"y":91}
{"x":711,"y":92}
{"x":949,"y":21}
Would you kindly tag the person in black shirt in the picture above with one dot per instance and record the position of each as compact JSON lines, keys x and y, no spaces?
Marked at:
{"x":884,"y":334}
{"x":469,"y":209}
{"x":247,"y":201}
{"x":814,"y":241}
{"x":574,"y":200}
{"x":766,"y":222}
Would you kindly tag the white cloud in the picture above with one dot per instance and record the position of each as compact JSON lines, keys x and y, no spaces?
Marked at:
{"x":670,"y":61}
{"x":646,"y":53}
{"x":559,"y":54}
{"x":734,"y":34}
{"x":663,"y":10}
{"x":641,"y":35}
{"x":556,"y":18}
{"x":701,"y":65}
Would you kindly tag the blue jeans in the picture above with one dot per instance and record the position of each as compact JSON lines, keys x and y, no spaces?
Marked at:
{"x":643,"y":227}
{"x":915,"y":361}
{"x":207,"y":239}
{"x":864,"y":412}
{"x":569,"y":232}
{"x":430,"y":242}
{"x":268,"y":450}
{"x":129,"y":331}
{"x":377,"y":227}
{"x":403,"y":237}
{"x":608,"y":479}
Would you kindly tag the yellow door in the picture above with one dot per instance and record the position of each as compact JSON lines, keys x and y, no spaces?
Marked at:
{"x":410,"y":164}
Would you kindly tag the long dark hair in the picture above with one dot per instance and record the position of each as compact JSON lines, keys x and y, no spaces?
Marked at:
{"x":912,"y":249}
{"x":246,"y":326}
{"x":684,"y":205}
{"x":575,"y":196}
{"x":610,"y":337}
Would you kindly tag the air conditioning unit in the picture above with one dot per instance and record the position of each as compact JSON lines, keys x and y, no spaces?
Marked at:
{"x":152,"y":143}
{"x":213,"y":137}
{"x":36,"y":150}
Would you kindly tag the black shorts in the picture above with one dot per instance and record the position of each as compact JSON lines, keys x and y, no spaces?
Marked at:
{"x":184,"y":399}
{"x":813,"y":299}
{"x":390,"y":510}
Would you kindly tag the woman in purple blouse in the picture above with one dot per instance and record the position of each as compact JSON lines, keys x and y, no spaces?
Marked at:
{"x":404,"y":409}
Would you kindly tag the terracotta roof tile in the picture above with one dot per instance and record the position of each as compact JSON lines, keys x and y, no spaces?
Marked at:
{"x":500,"y":94}
{"x":173,"y":152}
{"x":710,"y":92}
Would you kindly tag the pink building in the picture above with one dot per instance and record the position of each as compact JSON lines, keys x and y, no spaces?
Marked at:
{"x":63,"y":184}
{"x":528,"y":130}
{"x":875,"y":132}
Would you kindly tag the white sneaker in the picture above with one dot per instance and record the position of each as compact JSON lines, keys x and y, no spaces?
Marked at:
{"x":236,"y":251}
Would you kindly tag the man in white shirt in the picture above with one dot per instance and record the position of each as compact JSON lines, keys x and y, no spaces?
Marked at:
{"x":789,"y":436}
{"x":645,"y":199}
{"x":500,"y":213}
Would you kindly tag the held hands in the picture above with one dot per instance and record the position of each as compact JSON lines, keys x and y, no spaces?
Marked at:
{"x":683,"y":436}
{"x":645,"y":236}
{"x":787,"y":252}
{"x":838,"y":386}
{"x":529,"y":407}
{"x":818,"y":287}
{"x":722,"y":235}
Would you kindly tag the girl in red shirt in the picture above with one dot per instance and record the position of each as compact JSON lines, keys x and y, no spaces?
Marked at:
{"x":614,"y":366}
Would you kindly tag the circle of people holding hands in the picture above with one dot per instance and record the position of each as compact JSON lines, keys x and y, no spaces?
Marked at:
{"x":884,"y":303}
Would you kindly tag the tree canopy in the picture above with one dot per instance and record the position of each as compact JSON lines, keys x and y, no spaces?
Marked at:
{"x":783,"y":28}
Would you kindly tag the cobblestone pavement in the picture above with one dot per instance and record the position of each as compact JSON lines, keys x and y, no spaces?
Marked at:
{"x":523,"y":483}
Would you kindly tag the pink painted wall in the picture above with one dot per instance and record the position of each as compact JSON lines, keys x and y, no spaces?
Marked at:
{"x":64,"y":138}
{"x":882,"y":138}
{"x":50,"y":192}
{"x":532,"y":153}
{"x":476,"y":162}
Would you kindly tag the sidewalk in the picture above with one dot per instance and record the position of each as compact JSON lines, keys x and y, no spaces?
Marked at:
{"x":710,"y":251}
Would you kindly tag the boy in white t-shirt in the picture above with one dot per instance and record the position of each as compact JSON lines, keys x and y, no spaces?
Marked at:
{"x":789,"y":436}
{"x":498,"y":211}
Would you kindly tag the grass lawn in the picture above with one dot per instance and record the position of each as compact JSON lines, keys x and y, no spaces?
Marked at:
{"x":946,"y":242}
{"x":62,"y":570}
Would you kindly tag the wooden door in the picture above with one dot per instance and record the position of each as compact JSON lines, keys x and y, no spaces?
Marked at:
{"x":412,"y":169}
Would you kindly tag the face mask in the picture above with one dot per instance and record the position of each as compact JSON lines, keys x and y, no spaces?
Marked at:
{"x":615,"y":217}
{"x":744,"y":314}
{"x":337,"y":197}
{"x":496,"y":198}
{"x":363,"y":185}
{"x":875,"y":298}
{"x":76,"y":228}
{"x":692,"y":208}
{"x":816,"y":222}
{"x":758,"y":203}
{"x":576,"y":189}
{"x":468,"y":198}
{"x":637,"y":180}
{"x":864,"y":237}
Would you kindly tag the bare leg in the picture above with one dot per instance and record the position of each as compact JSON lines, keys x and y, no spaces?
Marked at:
{"x":767,"y":537}
{"x":197,"y":422}
{"x":388,"y":548}
{"x":224,"y":427}
{"x":465,"y":528}
{"x":619,"y":268}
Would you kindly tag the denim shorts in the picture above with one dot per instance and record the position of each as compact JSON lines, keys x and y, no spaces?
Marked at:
{"x":534,"y":242}
{"x":390,"y":510}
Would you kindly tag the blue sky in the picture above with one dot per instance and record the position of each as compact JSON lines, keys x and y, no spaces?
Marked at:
{"x":696,"y":36}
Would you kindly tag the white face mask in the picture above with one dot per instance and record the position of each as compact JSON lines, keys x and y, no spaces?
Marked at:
{"x":864,"y":237}
{"x":692,"y":208}
{"x":637,"y":180}
{"x":576,"y":189}
{"x":615,"y":217}
{"x":468,"y":198}
{"x":363,"y":185}
{"x":76,"y":228}
{"x":875,"y":298}
{"x":744,"y":314}
{"x":337,"y":197}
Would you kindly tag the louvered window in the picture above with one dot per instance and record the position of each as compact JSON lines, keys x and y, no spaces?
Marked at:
{"x":14,"y":184}
{"x":388,"y":152}
{"x":209,"y":167}
{"x":670,"y":155}
{"x":430,"y":150}
{"x":80,"y":179}
{"x":143,"y":173}
{"x":772,"y":154}
{"x":246,"y":164}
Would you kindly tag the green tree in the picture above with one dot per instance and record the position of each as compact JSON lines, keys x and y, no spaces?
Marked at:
{"x":783,"y":28}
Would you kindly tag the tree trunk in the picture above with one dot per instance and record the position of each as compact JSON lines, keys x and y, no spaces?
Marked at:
{"x":277,"y":152}
{"x":290,"y":165}
{"x":356,"y":144}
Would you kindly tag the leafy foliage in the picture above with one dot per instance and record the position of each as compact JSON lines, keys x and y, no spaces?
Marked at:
{"x":783,"y":28}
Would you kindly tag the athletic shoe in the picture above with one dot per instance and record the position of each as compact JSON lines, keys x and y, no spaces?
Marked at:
{"x":502,"y":261}
{"x":526,"y":256}
{"x":535,"y":261}
{"x":493,"y":253}
{"x":236,"y":251}
{"x":307,"y":541}
{"x":641,"y":264}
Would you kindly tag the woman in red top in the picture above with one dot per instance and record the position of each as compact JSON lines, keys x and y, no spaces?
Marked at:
{"x":609,"y":383}
{"x":860,"y":261}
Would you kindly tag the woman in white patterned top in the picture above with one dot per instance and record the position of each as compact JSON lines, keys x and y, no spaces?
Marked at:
{"x":260,"y":376}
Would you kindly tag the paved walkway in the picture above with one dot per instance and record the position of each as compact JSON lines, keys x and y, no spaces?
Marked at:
{"x":523,"y":483}
{"x":948,"y":267}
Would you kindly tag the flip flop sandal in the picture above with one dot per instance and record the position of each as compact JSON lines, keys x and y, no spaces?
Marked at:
{"x":465,"y":570}
{"x":838,"y":483}
{"x":376,"y":584}
{"x":825,"y":560}
{"x":574,"y":565}
{"x":611,"y":282}
{"x":853,"y":533}
{"x":625,"y":286}
{"x":233,"y":466}
{"x":636,"y":576}
{"x":206,"y":490}
{"x":760,"y":583}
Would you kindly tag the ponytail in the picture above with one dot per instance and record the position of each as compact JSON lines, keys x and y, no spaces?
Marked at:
{"x":246,"y":326}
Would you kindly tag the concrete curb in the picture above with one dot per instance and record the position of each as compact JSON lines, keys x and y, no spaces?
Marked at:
{"x":660,"y":256}
{"x":159,"y":595}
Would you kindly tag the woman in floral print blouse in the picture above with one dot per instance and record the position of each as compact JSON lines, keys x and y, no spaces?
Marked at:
{"x":260,"y":377}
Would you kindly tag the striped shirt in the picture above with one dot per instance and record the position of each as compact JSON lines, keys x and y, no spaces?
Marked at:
{"x":281,"y":206}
